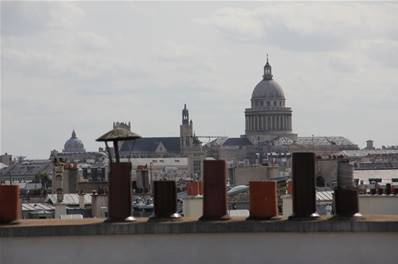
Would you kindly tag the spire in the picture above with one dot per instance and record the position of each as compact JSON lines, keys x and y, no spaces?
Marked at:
{"x":185,"y":115}
{"x":267,"y":71}
{"x":73,"y":134}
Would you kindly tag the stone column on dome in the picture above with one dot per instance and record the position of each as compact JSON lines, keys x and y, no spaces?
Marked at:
{"x":284,"y":123}
{"x":280,"y":122}
{"x":272,"y":122}
{"x":277,"y":123}
{"x":259,"y":123}
{"x":268,"y":123}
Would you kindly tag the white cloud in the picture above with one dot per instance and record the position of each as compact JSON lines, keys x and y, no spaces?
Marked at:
{"x":307,"y":26}
{"x":30,"y":18}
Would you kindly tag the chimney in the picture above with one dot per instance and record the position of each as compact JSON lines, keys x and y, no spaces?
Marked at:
{"x":81,"y":200}
{"x":263,"y":200}
{"x":388,"y":189}
{"x":9,"y":201}
{"x":165,"y":200}
{"x":303,"y":172}
{"x":345,"y":195}
{"x":119,"y":204}
{"x":214,"y":190}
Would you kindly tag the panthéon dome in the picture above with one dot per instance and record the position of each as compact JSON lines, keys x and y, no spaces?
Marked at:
{"x":268,"y":117}
{"x":74,"y":144}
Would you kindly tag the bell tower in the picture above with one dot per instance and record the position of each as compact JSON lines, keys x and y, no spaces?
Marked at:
{"x":186,"y":131}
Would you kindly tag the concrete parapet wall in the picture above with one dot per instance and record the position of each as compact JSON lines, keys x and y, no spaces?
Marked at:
{"x":56,"y":228}
{"x":202,"y":248}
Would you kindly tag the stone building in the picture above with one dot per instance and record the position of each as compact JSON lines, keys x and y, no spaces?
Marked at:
{"x":269,"y":136}
{"x":268,"y":117}
{"x":78,"y":166}
{"x":186,"y":145}
{"x":74,"y":144}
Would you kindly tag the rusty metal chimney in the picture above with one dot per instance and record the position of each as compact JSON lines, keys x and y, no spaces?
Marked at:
{"x":345,"y":195}
{"x":165,"y":200}
{"x":119,"y":200}
{"x":303,"y":172}
{"x":214,"y":190}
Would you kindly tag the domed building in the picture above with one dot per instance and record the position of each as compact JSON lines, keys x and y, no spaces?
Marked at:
{"x":268,"y":117}
{"x":74,"y":144}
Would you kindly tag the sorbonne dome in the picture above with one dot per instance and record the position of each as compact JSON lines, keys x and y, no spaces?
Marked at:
{"x":268,"y":117}
{"x":74,"y":144}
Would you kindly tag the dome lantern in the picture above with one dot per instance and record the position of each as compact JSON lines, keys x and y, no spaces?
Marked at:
{"x":267,"y":71}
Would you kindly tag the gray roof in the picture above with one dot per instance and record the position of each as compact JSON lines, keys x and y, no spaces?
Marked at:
{"x":37,"y":206}
{"x":69,"y":198}
{"x":81,"y":156}
{"x":268,"y":89}
{"x":149,"y":144}
{"x":242,"y":141}
{"x":323,"y":141}
{"x":26,"y":169}
{"x":365,"y":152}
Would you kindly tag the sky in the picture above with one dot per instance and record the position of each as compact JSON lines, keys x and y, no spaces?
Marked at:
{"x":84,"y":65}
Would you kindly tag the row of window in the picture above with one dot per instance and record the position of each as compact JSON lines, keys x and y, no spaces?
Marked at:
{"x":268,"y":103}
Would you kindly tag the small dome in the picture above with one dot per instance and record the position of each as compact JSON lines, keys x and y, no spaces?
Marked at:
{"x":74,"y":144}
{"x":268,"y":89}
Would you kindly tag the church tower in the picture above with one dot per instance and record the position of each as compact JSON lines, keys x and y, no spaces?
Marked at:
{"x":186,"y":131}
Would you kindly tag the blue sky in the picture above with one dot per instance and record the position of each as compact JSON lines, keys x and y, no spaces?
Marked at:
{"x":74,"y":65}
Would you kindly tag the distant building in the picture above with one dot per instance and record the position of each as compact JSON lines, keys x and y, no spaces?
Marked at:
{"x":268,"y":117}
{"x":186,"y":145}
{"x":372,"y":159}
{"x":74,"y":145}
{"x":6,"y":159}
{"x":25,"y":171}
{"x":369,"y":145}
{"x":75,"y":165}
{"x":269,"y":136}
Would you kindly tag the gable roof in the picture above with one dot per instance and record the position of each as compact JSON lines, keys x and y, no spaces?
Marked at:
{"x":241,"y":141}
{"x":26,"y":169}
{"x":339,"y":141}
{"x":149,"y":144}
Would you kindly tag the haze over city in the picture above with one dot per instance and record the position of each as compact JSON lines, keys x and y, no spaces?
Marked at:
{"x":84,"y":65}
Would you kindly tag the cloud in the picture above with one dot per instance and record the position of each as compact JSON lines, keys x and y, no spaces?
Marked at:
{"x":383,"y":52}
{"x":343,"y":63}
{"x":30,"y":18}
{"x":306,"y":27}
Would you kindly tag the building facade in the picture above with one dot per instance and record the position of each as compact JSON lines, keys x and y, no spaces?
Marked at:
{"x":168,"y":148}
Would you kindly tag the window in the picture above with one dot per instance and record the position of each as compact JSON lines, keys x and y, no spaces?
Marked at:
{"x":274,"y":103}
{"x":268,"y":103}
